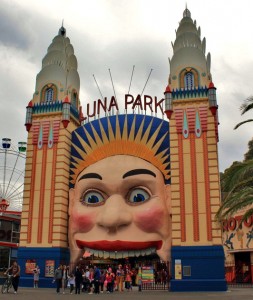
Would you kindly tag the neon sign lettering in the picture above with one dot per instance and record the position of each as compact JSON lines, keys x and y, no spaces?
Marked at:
{"x":143,"y":103}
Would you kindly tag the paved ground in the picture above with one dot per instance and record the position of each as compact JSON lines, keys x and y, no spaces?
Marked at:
{"x":50,"y":294}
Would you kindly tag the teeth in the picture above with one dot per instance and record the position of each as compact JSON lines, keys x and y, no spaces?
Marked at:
{"x":125,"y":254}
{"x":120,"y":254}
{"x":113,"y":254}
{"x":148,"y":251}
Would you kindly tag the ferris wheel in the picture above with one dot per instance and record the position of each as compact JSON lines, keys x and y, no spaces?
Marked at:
{"x":12,"y":171}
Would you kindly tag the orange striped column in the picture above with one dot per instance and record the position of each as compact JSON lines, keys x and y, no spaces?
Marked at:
{"x":42,"y":193}
{"x":31,"y":200}
{"x":195,"y":207}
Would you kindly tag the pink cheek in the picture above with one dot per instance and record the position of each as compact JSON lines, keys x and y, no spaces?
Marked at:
{"x":82,"y":222}
{"x":150,"y":220}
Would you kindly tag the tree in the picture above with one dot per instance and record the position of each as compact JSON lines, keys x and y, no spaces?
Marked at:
{"x":237,"y":180}
{"x":246,"y":106}
{"x":237,"y":190}
{"x":249,"y":155}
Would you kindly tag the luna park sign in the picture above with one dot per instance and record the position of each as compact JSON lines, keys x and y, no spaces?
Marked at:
{"x":142,"y":103}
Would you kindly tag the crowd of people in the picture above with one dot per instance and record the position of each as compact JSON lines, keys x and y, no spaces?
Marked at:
{"x":85,"y":279}
{"x":94,"y":280}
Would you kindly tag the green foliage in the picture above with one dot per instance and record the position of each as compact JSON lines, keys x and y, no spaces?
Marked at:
{"x":249,"y":155}
{"x":237,"y":180}
{"x":246,"y":106}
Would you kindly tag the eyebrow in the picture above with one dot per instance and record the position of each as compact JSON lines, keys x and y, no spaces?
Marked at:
{"x":90,"y":175}
{"x":138,"y":172}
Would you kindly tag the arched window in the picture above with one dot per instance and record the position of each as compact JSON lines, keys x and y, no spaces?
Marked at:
{"x":49,"y":95}
{"x":189,"y":81}
{"x":74,"y":99}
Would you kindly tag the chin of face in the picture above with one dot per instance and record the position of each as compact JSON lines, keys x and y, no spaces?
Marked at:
{"x":75,"y":256}
{"x":164,"y":254}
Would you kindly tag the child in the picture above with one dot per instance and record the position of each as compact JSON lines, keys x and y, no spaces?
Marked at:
{"x":128,"y":280}
{"x":71,"y":280}
{"x":36,"y":277}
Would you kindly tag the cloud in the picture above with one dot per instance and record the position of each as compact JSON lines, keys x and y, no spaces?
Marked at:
{"x":117,"y":35}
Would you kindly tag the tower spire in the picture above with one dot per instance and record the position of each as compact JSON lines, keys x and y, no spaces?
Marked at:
{"x":62,"y":30}
{"x":186,"y":13}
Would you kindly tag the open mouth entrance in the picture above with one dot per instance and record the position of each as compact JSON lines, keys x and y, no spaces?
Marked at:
{"x":151,"y":261}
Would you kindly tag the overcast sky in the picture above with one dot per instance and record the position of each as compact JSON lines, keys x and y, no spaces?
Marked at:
{"x":118,"y":34}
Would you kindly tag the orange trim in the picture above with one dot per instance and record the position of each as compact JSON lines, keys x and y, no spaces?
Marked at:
{"x":181,"y":187}
{"x":7,"y":244}
{"x":42,"y":193}
{"x":207,"y":189}
{"x":11,"y":212}
{"x":195,"y":206}
{"x":31,"y":201}
{"x":52,"y":196}
{"x":9,"y":218}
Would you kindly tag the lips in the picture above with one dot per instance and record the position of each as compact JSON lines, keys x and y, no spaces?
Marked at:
{"x":118,"y":245}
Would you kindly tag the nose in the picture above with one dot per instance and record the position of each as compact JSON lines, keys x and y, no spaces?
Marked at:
{"x":116,"y":214}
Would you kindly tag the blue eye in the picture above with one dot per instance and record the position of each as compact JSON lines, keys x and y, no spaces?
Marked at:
{"x":138,"y":196}
{"x":92,"y":198}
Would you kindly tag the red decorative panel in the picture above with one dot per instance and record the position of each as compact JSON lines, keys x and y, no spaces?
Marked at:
{"x":179,"y":116}
{"x":203,"y":117}
{"x":35,"y":131}
{"x":56,"y":130}
{"x":191,"y":118}
{"x":46,"y":126}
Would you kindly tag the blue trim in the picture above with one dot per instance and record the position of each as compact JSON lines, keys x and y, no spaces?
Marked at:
{"x":40,"y":255}
{"x":195,"y":92}
{"x":207,"y":268}
{"x":53,"y":106}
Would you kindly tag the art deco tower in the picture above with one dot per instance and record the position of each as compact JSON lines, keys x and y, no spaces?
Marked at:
{"x":197,"y":254}
{"x":52,"y":114}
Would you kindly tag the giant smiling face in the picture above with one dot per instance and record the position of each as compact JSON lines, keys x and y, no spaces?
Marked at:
{"x":120,"y":206}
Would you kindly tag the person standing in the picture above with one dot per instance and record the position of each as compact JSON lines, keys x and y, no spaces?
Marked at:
{"x":71,"y":282}
{"x":86,"y":279}
{"x":102,"y":281}
{"x":15,"y":271}
{"x":36,"y":277}
{"x":97,"y":277}
{"x":110,"y":280}
{"x":91,"y":277}
{"x":120,"y":278}
{"x":58,"y":278}
{"x":128,"y":280}
{"x":78,"y":279}
{"x":64,"y":278}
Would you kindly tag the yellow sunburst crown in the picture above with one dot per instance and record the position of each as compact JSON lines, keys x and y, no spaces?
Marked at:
{"x":141,"y":136}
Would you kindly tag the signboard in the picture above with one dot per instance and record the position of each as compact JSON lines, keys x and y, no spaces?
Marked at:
{"x":30,"y":266}
{"x":178,"y":269}
{"x":49,"y":268}
{"x":106,"y":105}
{"x":147,"y":274}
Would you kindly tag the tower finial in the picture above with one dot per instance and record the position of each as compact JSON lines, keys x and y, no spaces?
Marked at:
{"x":62,"y":30}
{"x":186,"y":13}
